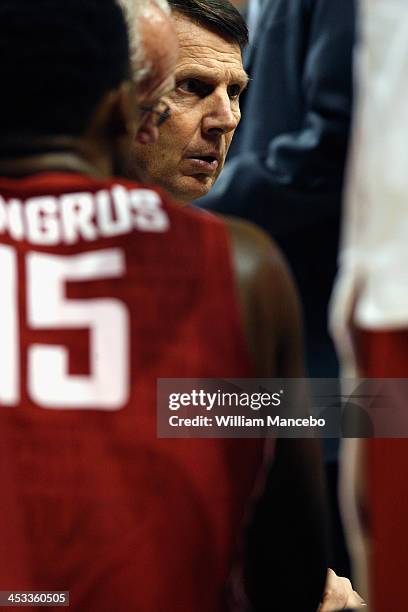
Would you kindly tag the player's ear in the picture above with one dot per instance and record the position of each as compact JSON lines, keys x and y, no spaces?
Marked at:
{"x":138,"y":123}
{"x":125,"y":114}
{"x":117,"y":114}
{"x":147,"y":132}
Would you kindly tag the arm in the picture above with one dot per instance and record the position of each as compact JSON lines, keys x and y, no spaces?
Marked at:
{"x":289,"y":521}
{"x":353,"y":504}
{"x":286,"y":556}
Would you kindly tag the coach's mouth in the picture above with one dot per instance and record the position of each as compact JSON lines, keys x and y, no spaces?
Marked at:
{"x":204,"y":164}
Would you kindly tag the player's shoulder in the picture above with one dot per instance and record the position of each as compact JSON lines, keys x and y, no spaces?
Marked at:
{"x":268,"y":298}
{"x":254,"y":252}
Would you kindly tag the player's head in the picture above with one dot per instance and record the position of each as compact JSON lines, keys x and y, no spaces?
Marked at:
{"x":61,"y":61}
{"x":193,"y":142}
{"x":154,"y":52}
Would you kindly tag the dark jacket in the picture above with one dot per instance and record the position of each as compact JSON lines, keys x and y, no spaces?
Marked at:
{"x":285,"y":168}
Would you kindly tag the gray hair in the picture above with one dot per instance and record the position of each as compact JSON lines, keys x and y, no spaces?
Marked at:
{"x":134,"y":11}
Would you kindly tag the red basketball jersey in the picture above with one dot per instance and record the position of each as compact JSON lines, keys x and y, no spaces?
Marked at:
{"x":105,"y":286}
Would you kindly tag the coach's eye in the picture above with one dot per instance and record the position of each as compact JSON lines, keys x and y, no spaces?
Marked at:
{"x":234,"y":91}
{"x":195,"y":87}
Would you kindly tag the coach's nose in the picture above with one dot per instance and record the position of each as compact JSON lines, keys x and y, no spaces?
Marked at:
{"x":221,"y":114}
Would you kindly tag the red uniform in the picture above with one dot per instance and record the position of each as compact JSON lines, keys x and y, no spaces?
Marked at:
{"x":383,"y":354}
{"x":106,"y":287}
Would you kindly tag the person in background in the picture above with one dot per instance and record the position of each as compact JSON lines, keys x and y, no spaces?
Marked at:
{"x":369,"y":313}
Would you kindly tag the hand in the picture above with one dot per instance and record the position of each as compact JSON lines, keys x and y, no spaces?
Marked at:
{"x":338,"y":594}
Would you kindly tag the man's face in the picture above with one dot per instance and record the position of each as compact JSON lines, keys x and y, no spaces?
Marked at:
{"x":193,"y":143}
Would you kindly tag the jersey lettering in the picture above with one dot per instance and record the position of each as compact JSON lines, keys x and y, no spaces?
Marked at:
{"x":77,"y":210}
{"x":50,"y":221}
{"x":9,"y":337}
{"x":113,"y":213}
{"x":42,"y":222}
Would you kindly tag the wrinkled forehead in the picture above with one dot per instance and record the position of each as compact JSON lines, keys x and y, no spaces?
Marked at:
{"x":206,"y":53}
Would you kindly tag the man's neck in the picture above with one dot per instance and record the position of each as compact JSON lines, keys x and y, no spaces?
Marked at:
{"x":58,"y":154}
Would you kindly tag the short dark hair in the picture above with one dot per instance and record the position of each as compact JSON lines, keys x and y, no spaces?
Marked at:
{"x":58,"y":59}
{"x":219,"y":16}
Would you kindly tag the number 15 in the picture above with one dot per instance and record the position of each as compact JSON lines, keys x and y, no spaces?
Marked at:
{"x":48,"y":383}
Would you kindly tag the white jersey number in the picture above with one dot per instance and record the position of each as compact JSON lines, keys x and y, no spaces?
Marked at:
{"x":48,"y":382}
